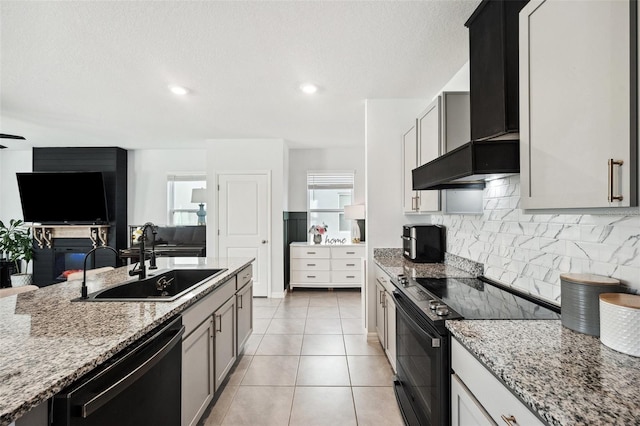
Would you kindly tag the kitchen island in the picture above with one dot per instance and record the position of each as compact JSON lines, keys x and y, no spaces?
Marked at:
{"x":564,"y":377}
{"x":47,"y":341}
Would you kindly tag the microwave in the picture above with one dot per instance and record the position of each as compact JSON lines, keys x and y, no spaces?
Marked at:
{"x":423,"y":243}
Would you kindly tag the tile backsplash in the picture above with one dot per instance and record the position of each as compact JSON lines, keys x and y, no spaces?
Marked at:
{"x":530,"y":251}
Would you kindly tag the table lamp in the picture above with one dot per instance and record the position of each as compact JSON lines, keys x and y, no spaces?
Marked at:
{"x":354,"y":212}
{"x":199,"y":195}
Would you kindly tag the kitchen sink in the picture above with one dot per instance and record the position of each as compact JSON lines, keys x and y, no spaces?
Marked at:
{"x":163,"y":287}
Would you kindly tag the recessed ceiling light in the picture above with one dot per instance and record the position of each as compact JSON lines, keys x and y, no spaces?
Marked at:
{"x":178,"y":90}
{"x":309,"y":88}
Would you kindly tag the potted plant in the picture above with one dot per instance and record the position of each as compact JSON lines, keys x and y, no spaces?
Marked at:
{"x":16,"y":244}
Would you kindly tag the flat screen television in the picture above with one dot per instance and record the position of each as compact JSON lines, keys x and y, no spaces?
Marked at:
{"x":63,"y":197}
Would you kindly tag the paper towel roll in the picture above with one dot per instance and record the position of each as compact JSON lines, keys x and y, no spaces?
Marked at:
{"x":619,"y":319}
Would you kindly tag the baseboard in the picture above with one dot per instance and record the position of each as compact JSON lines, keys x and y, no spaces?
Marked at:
{"x":278,"y":294}
{"x":372,"y":336}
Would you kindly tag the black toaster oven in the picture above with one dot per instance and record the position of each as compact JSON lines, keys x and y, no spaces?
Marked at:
{"x":423,"y":243}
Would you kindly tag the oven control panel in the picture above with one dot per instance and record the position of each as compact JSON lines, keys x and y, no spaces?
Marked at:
{"x":434,"y":308}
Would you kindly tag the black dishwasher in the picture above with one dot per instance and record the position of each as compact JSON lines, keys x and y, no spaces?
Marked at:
{"x":140,"y":386}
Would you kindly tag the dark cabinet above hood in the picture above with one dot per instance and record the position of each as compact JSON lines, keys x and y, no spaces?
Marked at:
{"x":468,"y":166}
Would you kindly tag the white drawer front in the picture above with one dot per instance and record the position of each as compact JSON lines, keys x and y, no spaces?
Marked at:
{"x":310,"y":276}
{"x":346,"y":277}
{"x":347,"y":252}
{"x":311,"y":252}
{"x":310,"y":264}
{"x":345,"y":264}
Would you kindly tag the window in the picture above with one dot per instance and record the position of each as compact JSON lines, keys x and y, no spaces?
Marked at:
{"x":181,"y":210}
{"x":327,"y":194}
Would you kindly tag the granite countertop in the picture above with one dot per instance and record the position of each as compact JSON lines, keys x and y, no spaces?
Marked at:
{"x":567,"y":378}
{"x":392,"y":262}
{"x":47,"y":341}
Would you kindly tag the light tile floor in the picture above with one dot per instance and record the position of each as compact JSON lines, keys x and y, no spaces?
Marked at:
{"x":308,"y":363}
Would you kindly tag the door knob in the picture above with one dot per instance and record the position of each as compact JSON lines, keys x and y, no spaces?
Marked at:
{"x":264,"y":241}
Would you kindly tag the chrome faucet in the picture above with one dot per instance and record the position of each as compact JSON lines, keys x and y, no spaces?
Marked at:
{"x":84,"y":268}
{"x":142,"y":270}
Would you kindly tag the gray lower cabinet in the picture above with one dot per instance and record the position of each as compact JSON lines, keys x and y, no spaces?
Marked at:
{"x":197,"y":372}
{"x":224,"y":320}
{"x":244,"y":309}
{"x":215,"y":328}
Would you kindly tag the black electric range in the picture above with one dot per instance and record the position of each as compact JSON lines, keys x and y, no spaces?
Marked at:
{"x":422,"y":383}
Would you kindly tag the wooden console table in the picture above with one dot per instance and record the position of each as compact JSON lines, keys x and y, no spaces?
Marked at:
{"x":44,"y":234}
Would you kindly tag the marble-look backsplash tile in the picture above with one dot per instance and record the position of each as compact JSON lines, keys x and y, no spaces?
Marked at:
{"x":530,"y":251}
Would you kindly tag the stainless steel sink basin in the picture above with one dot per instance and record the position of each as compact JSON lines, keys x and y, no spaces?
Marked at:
{"x":162,"y":287}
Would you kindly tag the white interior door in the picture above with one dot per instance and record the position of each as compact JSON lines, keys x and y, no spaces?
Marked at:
{"x":244,"y":223}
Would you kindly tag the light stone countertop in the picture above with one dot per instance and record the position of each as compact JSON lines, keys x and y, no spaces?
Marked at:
{"x":392,"y":262}
{"x":567,"y":378}
{"x":47,"y":341}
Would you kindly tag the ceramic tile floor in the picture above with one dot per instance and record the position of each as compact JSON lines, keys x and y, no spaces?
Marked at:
{"x":308,"y":363}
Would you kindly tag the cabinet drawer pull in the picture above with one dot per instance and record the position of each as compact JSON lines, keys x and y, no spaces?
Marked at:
{"x":511,"y":420}
{"x":351,"y":252}
{"x":351,"y":276}
{"x":311,"y":276}
{"x":311,"y":252}
{"x":219,"y":321}
{"x":311,"y":264}
{"x":613,"y":163}
{"x":351,"y":264}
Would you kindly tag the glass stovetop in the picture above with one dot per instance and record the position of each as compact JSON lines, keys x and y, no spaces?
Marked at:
{"x":475,"y":299}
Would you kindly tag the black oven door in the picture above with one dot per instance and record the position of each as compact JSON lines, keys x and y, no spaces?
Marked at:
{"x":422,"y":384}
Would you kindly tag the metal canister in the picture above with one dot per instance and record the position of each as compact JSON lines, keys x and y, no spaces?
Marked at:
{"x":580,"y":300}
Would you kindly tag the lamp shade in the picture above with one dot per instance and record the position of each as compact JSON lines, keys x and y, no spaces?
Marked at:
{"x":199,"y":195}
{"x":354,"y":211}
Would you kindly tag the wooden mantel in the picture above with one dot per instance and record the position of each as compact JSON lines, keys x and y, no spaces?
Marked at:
{"x":44,"y":234}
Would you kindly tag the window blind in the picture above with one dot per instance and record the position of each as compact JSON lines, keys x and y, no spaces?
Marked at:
{"x":330,"y":180}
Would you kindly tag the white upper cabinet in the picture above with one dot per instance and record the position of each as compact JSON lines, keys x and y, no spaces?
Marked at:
{"x":442,"y":127}
{"x":409,"y":155}
{"x":429,"y":148}
{"x":575,"y":105}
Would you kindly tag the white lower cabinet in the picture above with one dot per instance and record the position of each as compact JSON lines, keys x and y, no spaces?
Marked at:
{"x":465,"y":408}
{"x":216,"y":328}
{"x":386,"y":315}
{"x":197,"y":372}
{"x":479,"y":398}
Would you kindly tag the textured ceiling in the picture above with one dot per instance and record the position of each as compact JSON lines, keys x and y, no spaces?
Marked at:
{"x":96,"y":73}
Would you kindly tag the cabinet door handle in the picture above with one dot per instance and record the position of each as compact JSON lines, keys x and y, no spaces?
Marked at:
{"x":240,"y":304}
{"x":511,"y":420}
{"x":613,"y":163}
{"x":417,"y":202}
{"x":219,"y":321}
{"x":413,"y":203}
{"x":382,"y":297}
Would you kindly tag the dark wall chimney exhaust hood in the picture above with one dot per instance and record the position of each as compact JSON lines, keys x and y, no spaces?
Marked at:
{"x":468,"y":166}
{"x":494,"y":151}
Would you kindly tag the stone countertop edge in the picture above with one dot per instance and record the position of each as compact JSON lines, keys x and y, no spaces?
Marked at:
{"x":566,"y":378}
{"x":35,"y":368}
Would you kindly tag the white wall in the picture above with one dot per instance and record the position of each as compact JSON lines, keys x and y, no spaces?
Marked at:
{"x":11,"y":162}
{"x":303,"y":160}
{"x":147,"y":180}
{"x":253,"y":155}
{"x":385,"y":122}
